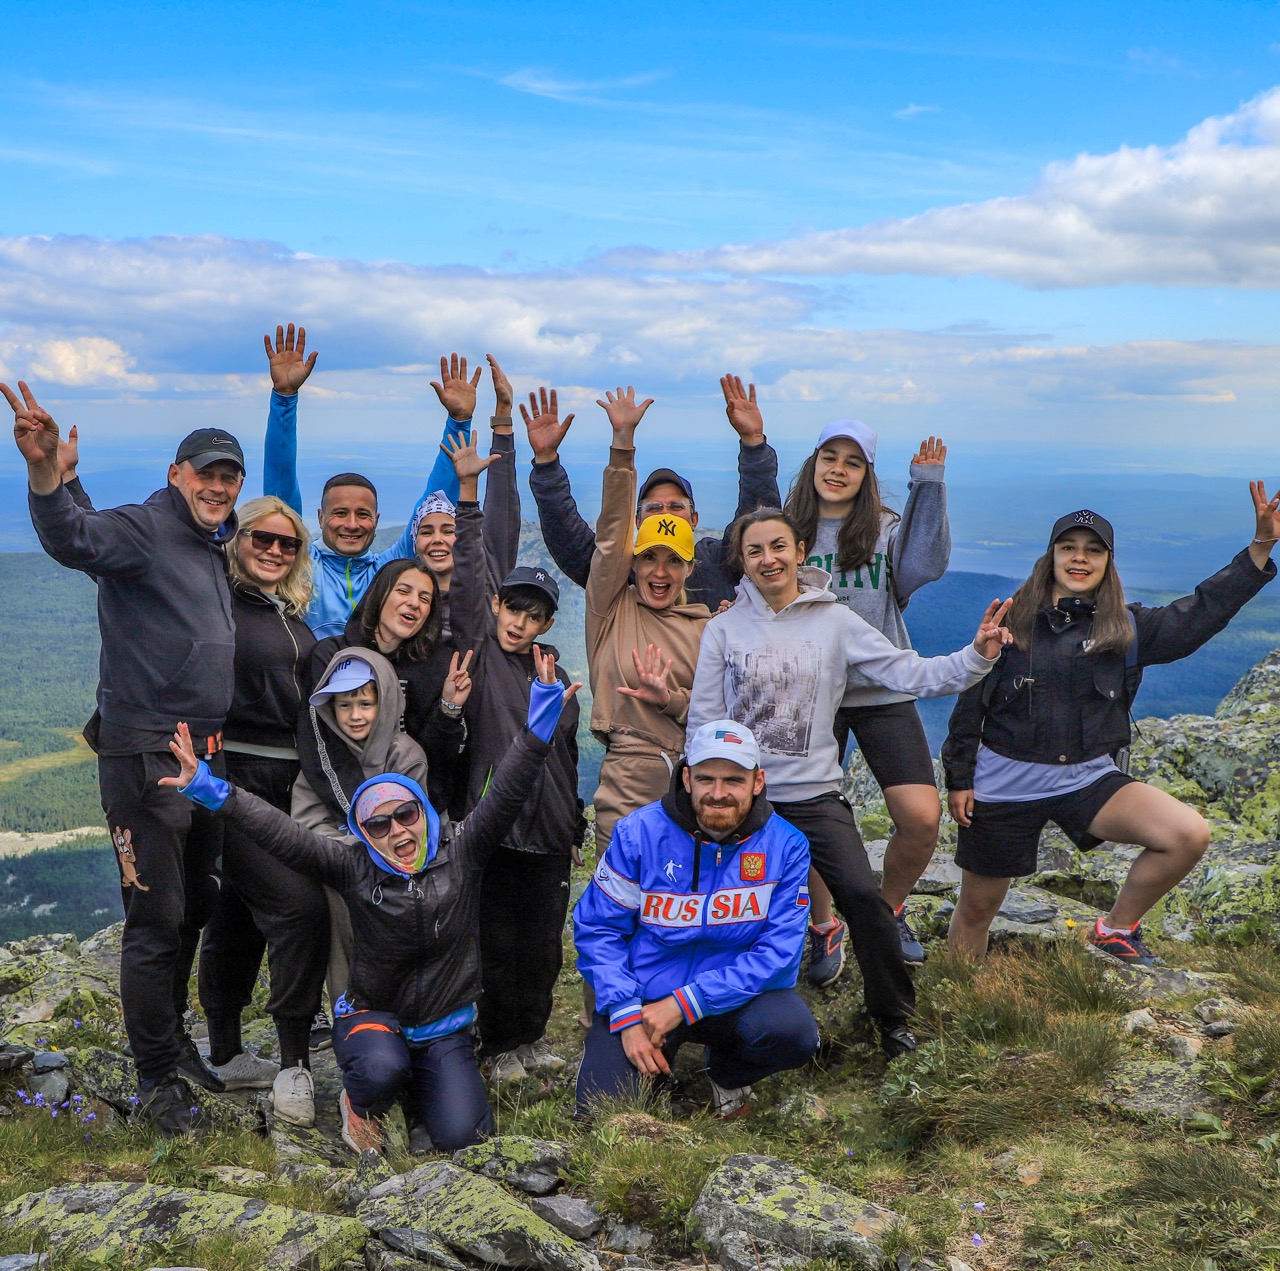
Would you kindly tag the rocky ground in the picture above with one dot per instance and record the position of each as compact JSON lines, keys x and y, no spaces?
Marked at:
{"x":1061,"y":1112}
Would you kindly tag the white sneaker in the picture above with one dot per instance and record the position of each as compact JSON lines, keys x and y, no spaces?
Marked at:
{"x":246,"y":1071}
{"x":735,"y":1101}
{"x":293,"y":1096}
{"x":505,"y":1067}
{"x":539,"y":1057}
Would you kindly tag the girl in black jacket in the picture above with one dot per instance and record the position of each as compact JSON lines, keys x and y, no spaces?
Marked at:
{"x":1037,"y":740}
{"x":413,"y":888}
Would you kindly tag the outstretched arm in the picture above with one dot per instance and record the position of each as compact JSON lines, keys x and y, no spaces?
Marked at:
{"x":757,"y":462}
{"x":569,"y":539}
{"x":289,"y":367}
{"x":501,"y":491}
{"x":920,"y":545}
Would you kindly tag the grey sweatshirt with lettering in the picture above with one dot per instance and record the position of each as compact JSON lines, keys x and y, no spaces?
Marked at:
{"x":909,"y":553}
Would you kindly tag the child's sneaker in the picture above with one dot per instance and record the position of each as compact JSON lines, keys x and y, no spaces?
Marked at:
{"x":1124,"y":946}
{"x":360,"y":1134}
{"x":506,"y":1067}
{"x":246,"y":1071}
{"x":912,"y":949}
{"x":539,"y":1057}
{"x":293,"y":1096}
{"x":826,"y":953}
{"x":321,"y":1032}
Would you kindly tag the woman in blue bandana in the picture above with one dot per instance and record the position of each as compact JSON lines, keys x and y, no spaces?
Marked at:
{"x":412,"y":887}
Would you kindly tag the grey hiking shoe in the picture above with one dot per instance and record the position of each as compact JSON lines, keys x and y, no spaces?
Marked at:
{"x":826,"y":954}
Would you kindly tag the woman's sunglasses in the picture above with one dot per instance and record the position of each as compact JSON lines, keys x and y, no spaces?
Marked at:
{"x":264,"y":541}
{"x":407,"y":814}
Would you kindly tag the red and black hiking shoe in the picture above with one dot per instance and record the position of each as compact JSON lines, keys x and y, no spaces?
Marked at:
{"x":1124,"y":946}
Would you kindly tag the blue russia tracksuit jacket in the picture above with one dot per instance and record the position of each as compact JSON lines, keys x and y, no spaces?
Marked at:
{"x":669,"y":912}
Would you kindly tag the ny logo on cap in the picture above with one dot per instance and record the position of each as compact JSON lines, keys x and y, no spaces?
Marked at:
{"x":1084,"y":518}
{"x":540,"y":575}
{"x":667,"y":527}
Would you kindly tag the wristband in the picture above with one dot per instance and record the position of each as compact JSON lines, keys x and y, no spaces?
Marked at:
{"x":450,"y":708}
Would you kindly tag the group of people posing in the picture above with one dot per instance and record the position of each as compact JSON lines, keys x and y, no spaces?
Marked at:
{"x":364,"y":763}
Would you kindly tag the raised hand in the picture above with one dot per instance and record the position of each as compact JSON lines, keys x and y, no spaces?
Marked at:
{"x":184,"y":752}
{"x":457,"y":680}
{"x":287,"y":362}
{"x":932,"y":452}
{"x":545,"y":666}
{"x":1267,"y":510}
{"x":467,"y":462}
{"x":456,"y":392}
{"x":502,"y":395}
{"x":68,"y":455}
{"x":744,"y":414}
{"x":655,"y":688}
{"x":544,"y":427}
{"x":992,"y":637}
{"x":36,"y":436}
{"x":624,"y":414}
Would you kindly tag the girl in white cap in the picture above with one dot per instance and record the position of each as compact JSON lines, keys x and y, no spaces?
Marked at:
{"x":877,"y":560}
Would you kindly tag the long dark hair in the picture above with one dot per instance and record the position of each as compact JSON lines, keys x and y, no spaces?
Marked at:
{"x":1112,"y":632}
{"x":417,"y":648}
{"x":746,"y":521}
{"x":859,"y":528}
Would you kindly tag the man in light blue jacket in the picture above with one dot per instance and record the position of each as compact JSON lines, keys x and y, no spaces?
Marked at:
{"x":692,"y":930}
{"x":342,"y":557}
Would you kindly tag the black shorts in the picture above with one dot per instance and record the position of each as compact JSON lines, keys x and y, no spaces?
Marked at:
{"x":891,"y":738}
{"x":1004,"y":838}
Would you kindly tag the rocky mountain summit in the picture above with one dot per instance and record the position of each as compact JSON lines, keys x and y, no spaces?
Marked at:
{"x":801,"y":1183}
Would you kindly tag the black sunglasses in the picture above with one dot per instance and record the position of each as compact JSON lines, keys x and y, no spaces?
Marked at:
{"x":406,"y":814}
{"x":263,"y":540}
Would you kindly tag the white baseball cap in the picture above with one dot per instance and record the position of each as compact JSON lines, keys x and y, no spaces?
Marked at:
{"x":852,"y":430}
{"x":348,"y":674}
{"x":722,"y":739}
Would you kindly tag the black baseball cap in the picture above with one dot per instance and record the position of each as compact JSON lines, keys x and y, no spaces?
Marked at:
{"x":1084,"y":520}
{"x":665,"y":476}
{"x":209,"y":445}
{"x":533,"y":576}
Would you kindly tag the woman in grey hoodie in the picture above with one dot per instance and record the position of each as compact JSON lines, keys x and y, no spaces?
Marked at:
{"x":778,"y":662}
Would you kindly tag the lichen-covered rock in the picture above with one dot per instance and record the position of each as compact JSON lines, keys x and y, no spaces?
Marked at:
{"x":1158,"y":1089}
{"x":103,"y":1074}
{"x":533,"y":1165}
{"x":577,"y":1218}
{"x":421,"y":1245}
{"x":475,"y":1216}
{"x":101,"y":1218}
{"x":780,"y":1209}
{"x":14,"y":1057}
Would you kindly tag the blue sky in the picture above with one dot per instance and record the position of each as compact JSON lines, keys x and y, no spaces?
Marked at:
{"x":1050,"y":233}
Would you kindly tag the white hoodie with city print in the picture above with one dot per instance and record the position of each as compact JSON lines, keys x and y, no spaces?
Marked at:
{"x":783,"y":675}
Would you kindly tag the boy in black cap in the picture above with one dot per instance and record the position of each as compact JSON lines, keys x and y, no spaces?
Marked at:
{"x":525,"y":895}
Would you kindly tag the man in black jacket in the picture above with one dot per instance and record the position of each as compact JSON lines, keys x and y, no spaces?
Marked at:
{"x":571,"y":541}
{"x":168,"y":653}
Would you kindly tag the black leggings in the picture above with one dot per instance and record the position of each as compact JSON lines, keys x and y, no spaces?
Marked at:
{"x":837,"y":853}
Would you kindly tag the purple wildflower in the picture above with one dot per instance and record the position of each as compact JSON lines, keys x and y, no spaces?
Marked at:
{"x":977,"y":1241}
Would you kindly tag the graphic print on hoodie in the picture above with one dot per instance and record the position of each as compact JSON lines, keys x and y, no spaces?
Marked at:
{"x":776,"y":684}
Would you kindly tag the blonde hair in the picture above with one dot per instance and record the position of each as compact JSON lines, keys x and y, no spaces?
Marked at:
{"x":295,"y":587}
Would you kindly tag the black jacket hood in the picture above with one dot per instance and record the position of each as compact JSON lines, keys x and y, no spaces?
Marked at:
{"x":678,"y":805}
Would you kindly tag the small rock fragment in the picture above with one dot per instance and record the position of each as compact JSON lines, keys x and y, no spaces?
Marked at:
{"x":576,"y":1218}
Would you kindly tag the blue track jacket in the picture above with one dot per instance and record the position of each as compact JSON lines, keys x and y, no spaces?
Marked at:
{"x":340,"y":580}
{"x":669,"y":912}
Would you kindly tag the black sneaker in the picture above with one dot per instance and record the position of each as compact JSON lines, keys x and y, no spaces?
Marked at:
{"x":321,"y":1032}
{"x":171,"y":1107}
{"x":1124,"y":946}
{"x":912,"y":949}
{"x":192,"y":1066}
{"x":898,"y":1040}
{"x":826,"y":954}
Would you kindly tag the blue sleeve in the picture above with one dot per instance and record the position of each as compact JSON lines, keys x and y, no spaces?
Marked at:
{"x":280,"y":451}
{"x":569,"y":539}
{"x":205,"y":789}
{"x":546,"y":701}
{"x":605,"y":920}
{"x":442,"y":478}
{"x":770,"y":963}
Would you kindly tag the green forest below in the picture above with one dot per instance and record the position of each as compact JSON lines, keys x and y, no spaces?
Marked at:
{"x":48,"y":675}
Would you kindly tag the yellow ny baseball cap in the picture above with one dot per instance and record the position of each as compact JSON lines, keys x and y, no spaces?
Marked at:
{"x":665,"y":531}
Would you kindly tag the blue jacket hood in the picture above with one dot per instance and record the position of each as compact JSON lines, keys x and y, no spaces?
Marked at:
{"x":433,"y":820}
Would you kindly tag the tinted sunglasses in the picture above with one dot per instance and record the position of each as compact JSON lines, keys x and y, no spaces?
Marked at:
{"x":263,"y":540}
{"x":407,"y":814}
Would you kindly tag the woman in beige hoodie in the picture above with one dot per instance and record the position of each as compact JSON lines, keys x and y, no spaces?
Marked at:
{"x":642,"y":638}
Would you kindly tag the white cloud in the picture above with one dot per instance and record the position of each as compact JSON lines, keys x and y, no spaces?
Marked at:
{"x":1202,"y":212}
{"x":177,"y":323}
{"x":543,"y":84}
{"x":911,"y":110}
